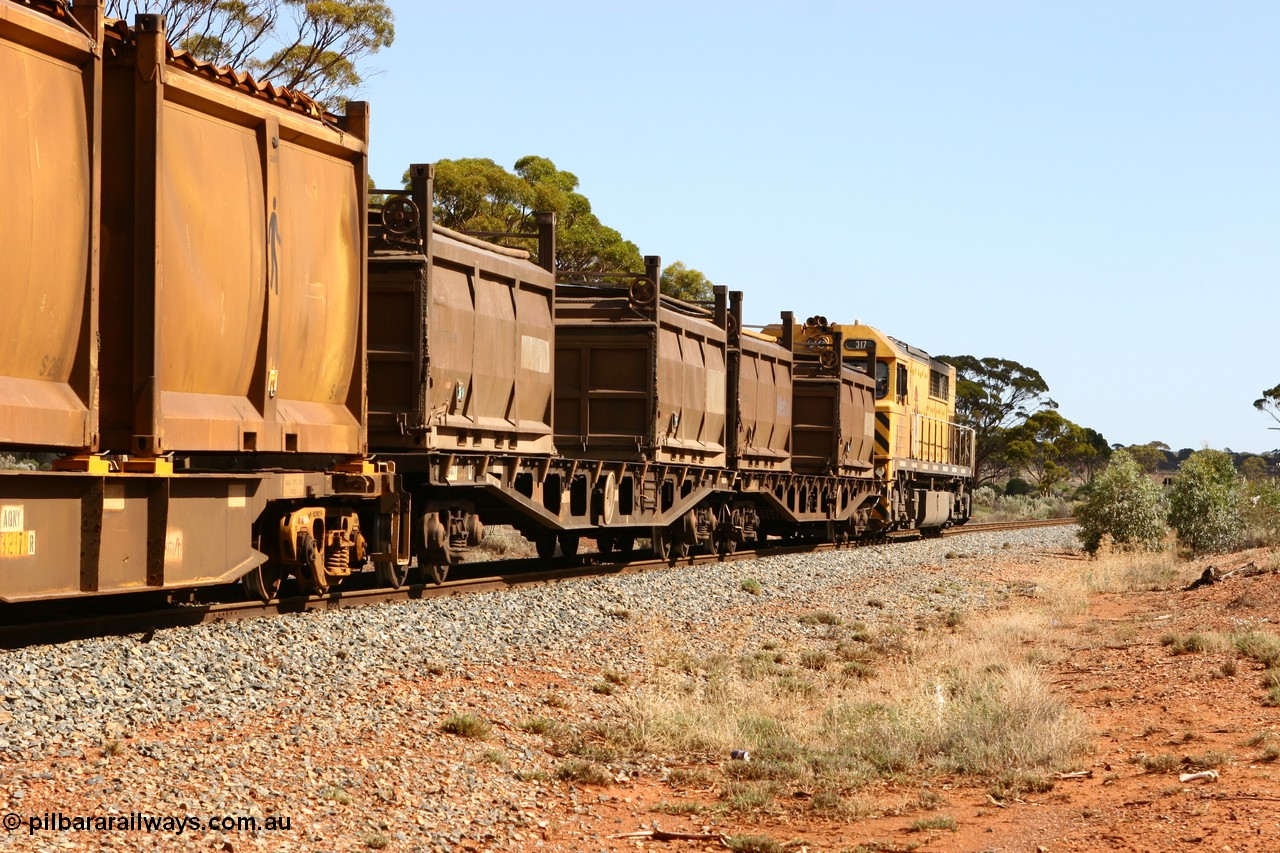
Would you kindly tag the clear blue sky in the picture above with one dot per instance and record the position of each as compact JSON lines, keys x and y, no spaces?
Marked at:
{"x":1091,"y":189}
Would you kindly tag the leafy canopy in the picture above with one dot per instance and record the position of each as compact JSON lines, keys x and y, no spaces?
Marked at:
{"x":1206,"y":503}
{"x":992,"y":396}
{"x":1269,"y":403}
{"x":309,"y":45}
{"x":477,"y":194}
{"x":1262,"y":512}
{"x":1046,"y":446}
{"x":1093,"y":456}
{"x":1125,"y":505}
{"x":1150,"y":456}
{"x":1255,"y":468}
{"x":684,"y":283}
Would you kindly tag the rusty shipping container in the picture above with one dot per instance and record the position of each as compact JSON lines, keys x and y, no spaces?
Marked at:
{"x":233,"y":259}
{"x":49,"y":98}
{"x":639,"y":376}
{"x":760,"y":388}
{"x":833,"y":420}
{"x":460,"y":337}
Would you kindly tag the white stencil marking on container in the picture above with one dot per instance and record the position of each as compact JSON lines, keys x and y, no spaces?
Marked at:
{"x":11,"y":518}
{"x":535,"y":354}
{"x":294,"y":486}
{"x":173,"y":547}
{"x":715,"y":391}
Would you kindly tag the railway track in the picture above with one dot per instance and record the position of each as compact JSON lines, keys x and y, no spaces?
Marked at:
{"x":146,"y":617}
{"x":1007,"y":525}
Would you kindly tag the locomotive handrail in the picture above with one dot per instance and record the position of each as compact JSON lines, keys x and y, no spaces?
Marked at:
{"x":952,"y":451}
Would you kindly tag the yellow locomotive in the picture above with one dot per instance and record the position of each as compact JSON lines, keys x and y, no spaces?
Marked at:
{"x":923,"y":458}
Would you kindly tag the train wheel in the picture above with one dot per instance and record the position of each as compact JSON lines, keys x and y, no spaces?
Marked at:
{"x":435,"y":572}
{"x":606,"y":544}
{"x":686,"y":535}
{"x":661,"y":540}
{"x":569,"y":544}
{"x":390,"y":573}
{"x":545,"y":542}
{"x":626,"y":545}
{"x":263,"y":582}
{"x":727,"y":546}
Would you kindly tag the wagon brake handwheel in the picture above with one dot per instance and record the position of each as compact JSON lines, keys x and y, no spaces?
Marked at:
{"x":399,"y":215}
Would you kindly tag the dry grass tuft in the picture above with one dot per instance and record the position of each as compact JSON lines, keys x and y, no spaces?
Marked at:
{"x":930,"y":823}
{"x":964,"y":702}
{"x":1259,"y":646}
{"x":583,"y":772}
{"x":465,"y":725}
{"x":1138,"y":572}
{"x":754,"y":844}
{"x":1193,"y":643}
{"x":501,"y":543}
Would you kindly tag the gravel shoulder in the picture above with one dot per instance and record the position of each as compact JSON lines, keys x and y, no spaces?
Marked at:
{"x":333,"y":720}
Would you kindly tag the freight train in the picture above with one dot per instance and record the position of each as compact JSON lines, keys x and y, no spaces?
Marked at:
{"x":251,"y":369}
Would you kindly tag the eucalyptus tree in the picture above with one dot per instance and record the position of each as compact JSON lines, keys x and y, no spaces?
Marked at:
{"x":313,"y":46}
{"x":993,"y":395}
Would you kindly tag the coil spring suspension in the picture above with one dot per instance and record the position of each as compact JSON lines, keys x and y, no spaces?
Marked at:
{"x":338,"y":558}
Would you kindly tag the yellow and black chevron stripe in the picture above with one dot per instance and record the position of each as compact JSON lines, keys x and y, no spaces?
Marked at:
{"x":883,"y":434}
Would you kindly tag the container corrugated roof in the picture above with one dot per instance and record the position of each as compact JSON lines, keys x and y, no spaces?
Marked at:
{"x":120,"y":36}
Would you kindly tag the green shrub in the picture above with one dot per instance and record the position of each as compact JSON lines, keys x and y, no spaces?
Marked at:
{"x":1018,"y":486}
{"x":465,"y":725}
{"x":1206,"y":503}
{"x":1016,"y":507}
{"x":1125,"y":505}
{"x":1262,"y":514}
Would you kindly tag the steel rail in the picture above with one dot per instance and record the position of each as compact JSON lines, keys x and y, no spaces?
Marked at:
{"x":147,"y":622}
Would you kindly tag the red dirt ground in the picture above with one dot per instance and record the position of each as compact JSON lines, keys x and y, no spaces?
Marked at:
{"x":1139,"y":699}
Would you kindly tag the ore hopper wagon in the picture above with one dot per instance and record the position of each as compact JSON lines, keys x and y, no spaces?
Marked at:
{"x":211,"y":239}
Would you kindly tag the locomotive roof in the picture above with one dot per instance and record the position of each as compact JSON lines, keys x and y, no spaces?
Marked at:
{"x":900,"y":348}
